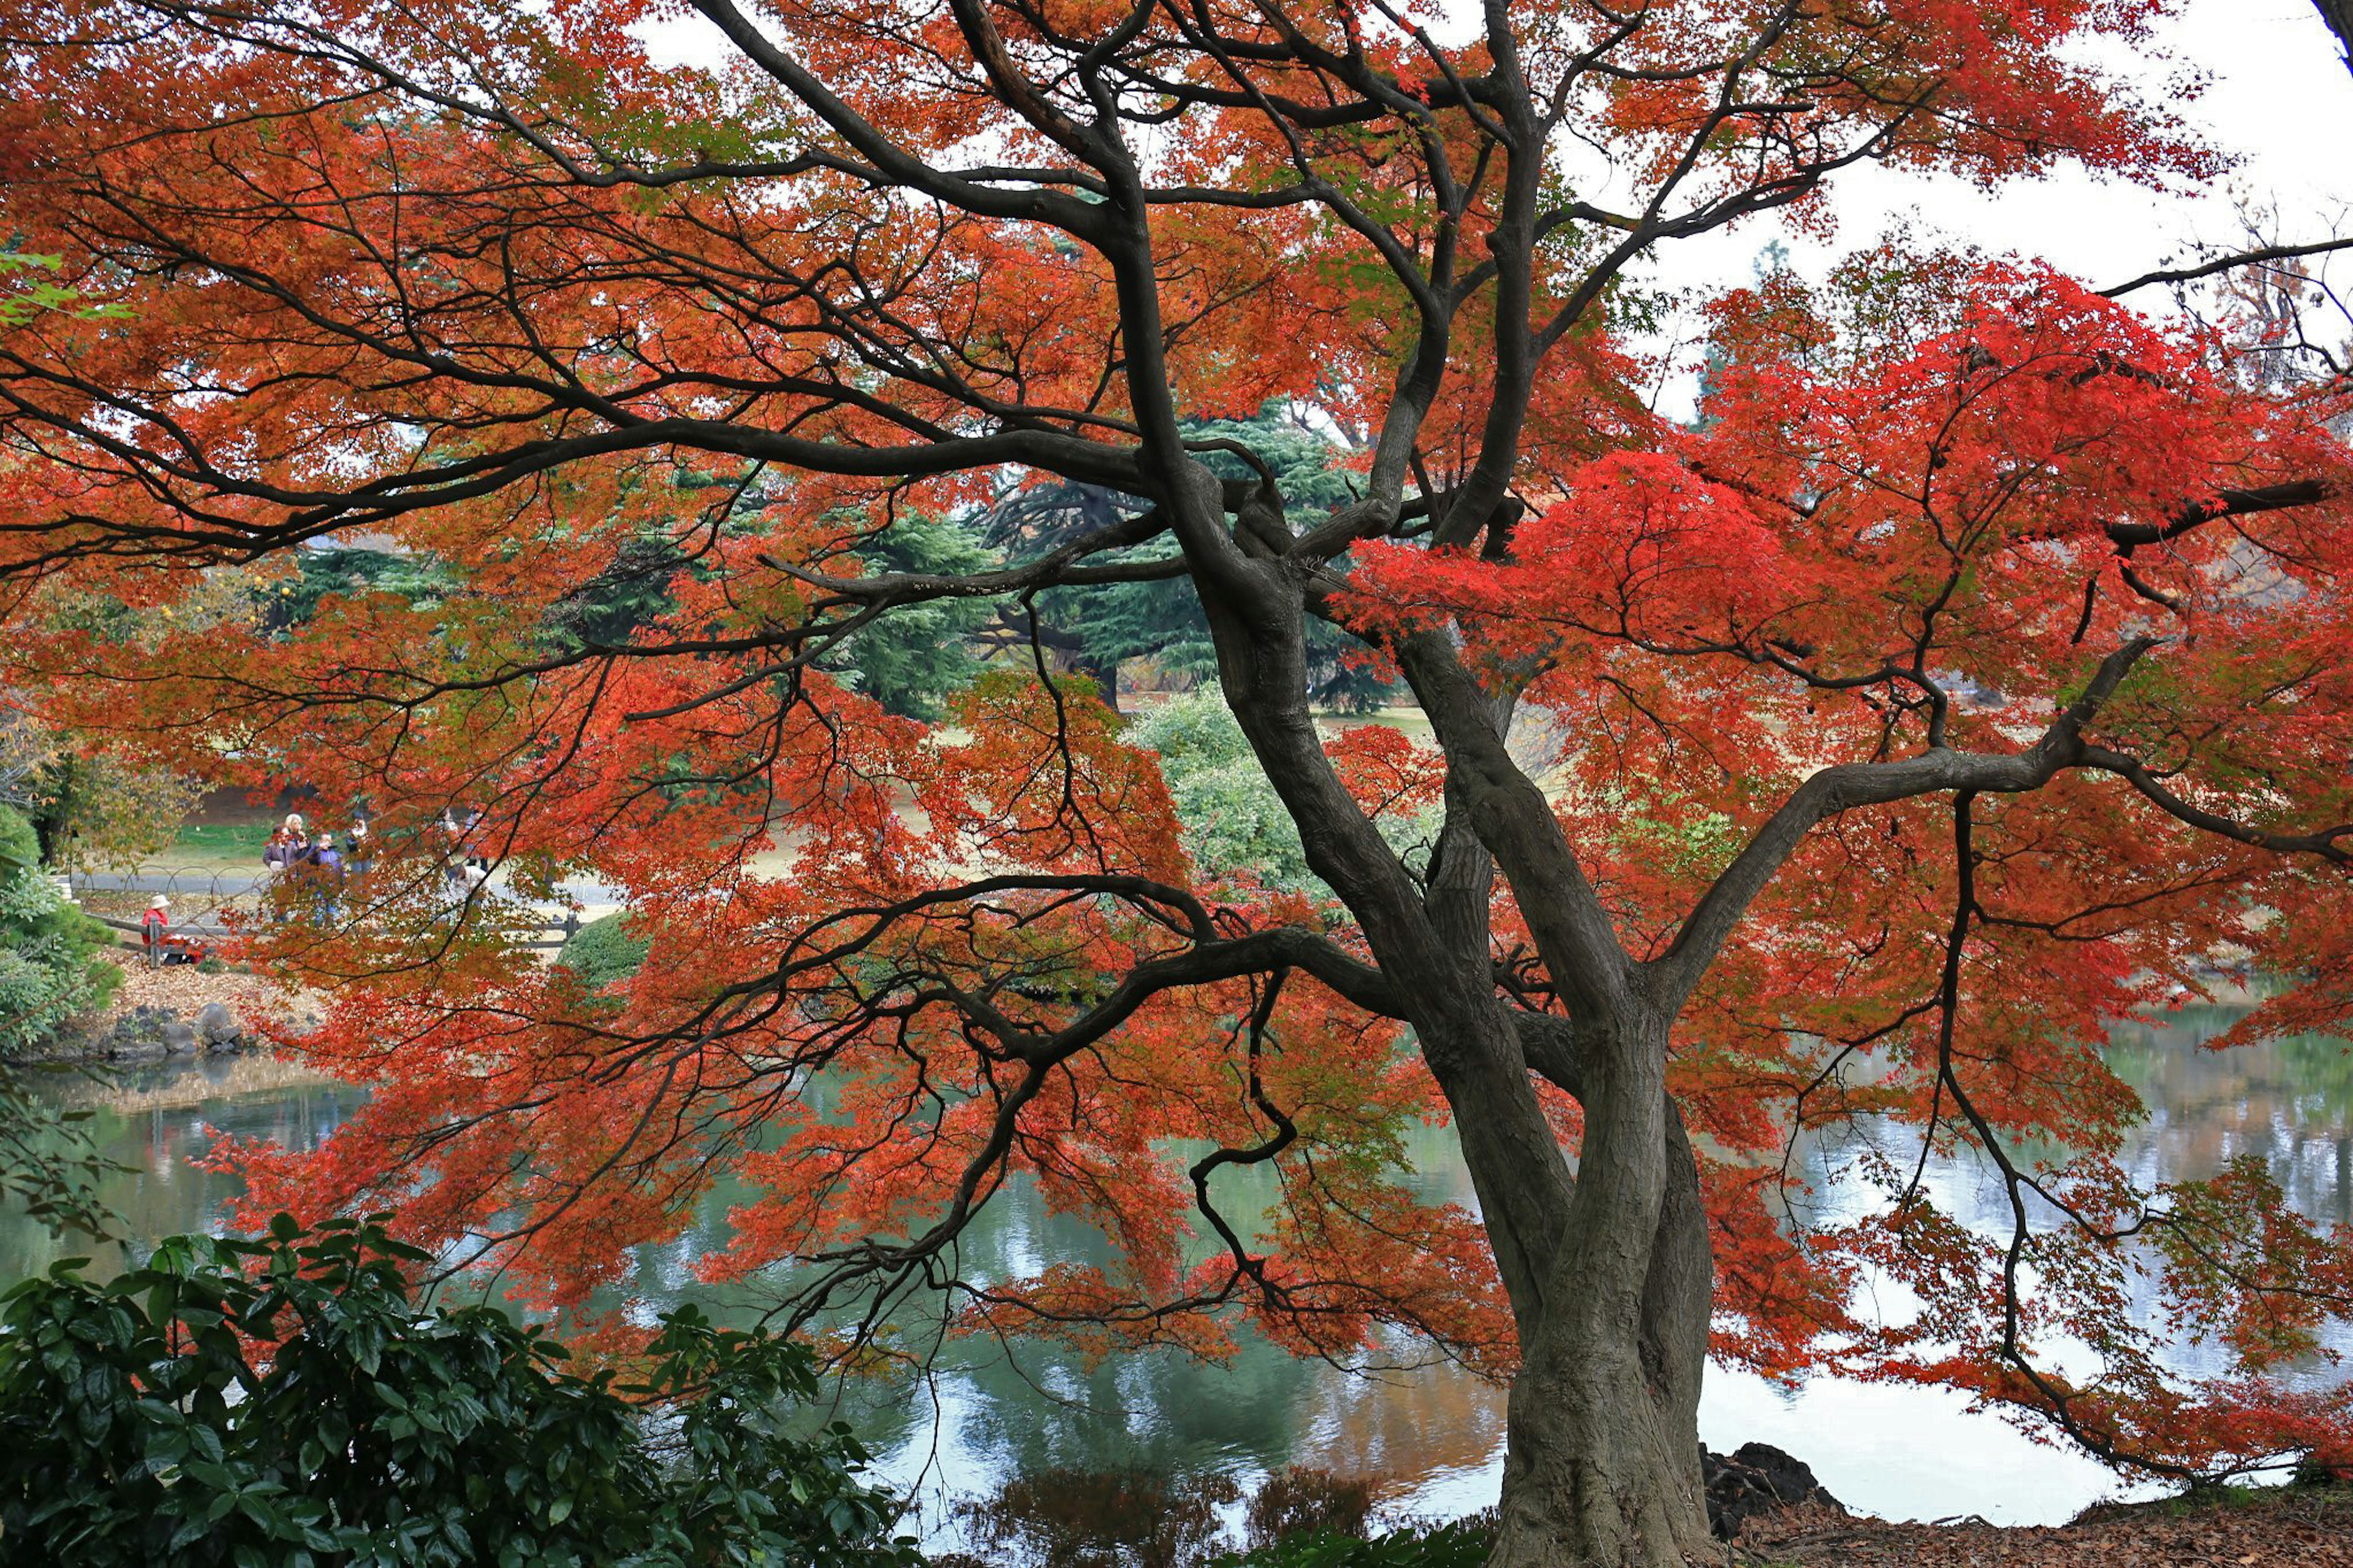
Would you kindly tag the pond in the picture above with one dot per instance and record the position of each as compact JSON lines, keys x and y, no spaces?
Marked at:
{"x":1427,"y":1439}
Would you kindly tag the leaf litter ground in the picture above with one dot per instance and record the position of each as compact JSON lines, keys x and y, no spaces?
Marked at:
{"x":2303,"y":1525}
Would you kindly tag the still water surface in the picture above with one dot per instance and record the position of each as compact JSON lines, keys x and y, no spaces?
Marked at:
{"x":1430,"y":1437}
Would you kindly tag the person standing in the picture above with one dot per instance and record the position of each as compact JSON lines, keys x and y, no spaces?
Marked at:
{"x":327,"y":874}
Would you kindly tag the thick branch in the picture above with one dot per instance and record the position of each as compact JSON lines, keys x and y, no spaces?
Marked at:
{"x":1851,"y":784}
{"x":1516,"y":822}
{"x":2246,"y":502}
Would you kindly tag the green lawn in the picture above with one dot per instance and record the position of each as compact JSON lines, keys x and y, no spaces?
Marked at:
{"x":223,"y":844}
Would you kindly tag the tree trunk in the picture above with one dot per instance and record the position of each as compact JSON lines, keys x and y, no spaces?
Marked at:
{"x":1597,"y":1474}
{"x":51,"y":814}
{"x":1104,"y":673}
{"x":1602,"y":1465}
{"x":2339,"y":15}
{"x":1609,"y":1274}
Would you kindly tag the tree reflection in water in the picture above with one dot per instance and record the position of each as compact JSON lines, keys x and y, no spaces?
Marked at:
{"x":1097,"y":1519}
{"x":1135,"y":1518}
{"x":1061,"y":1450}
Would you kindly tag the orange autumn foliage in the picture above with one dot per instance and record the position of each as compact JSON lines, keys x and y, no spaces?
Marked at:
{"x":1971,"y":673}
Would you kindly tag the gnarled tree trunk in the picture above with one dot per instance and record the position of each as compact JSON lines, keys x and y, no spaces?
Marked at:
{"x":1607,"y":1268}
{"x":1602,"y":1463}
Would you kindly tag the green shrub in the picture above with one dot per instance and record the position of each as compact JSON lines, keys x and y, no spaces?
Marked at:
{"x":1230,"y":820}
{"x":35,"y":1000}
{"x":602,"y":952}
{"x":1461,"y":1545}
{"x":20,"y":846}
{"x":140,"y":1425}
{"x":50,"y":967}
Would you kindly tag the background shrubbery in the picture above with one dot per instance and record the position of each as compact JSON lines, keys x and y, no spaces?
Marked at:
{"x":49,"y":964}
{"x":602,"y":952}
{"x":1233,"y":821}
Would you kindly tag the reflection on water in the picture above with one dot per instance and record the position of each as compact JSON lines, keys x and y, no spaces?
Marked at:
{"x":1424,"y":1440}
{"x":153,"y":1122}
{"x":1920,"y":1453}
{"x":2289,"y":1100}
{"x":1095,"y":1518}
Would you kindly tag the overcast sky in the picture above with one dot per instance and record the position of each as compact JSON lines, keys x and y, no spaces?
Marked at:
{"x":2279,"y":97}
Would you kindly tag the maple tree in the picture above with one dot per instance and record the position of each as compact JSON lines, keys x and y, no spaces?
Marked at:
{"x":1971,"y":672}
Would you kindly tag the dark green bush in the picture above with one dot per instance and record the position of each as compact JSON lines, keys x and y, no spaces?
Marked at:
{"x":602,"y":952}
{"x":141,"y":1427}
{"x":1461,"y":1545}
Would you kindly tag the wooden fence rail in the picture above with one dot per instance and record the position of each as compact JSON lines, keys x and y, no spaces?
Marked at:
{"x":187,"y":934}
{"x":209,"y":888}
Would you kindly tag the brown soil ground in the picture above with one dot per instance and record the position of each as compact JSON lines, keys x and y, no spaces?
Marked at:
{"x":2246,"y":1529}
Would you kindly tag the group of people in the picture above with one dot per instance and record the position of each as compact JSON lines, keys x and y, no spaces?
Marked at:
{"x":315,"y":857}
{"x":293,"y":843}
{"x":463,"y":864}
{"x":294,"y":846}
{"x":323,"y":864}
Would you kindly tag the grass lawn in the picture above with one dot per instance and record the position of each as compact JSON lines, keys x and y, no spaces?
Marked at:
{"x":218,"y":844}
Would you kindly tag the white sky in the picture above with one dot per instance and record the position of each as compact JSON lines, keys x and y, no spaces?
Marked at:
{"x":2279,"y":100}
{"x":2279,"y":97}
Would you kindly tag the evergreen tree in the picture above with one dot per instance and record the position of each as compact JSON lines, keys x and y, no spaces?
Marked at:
{"x":913,"y":657}
{"x":1094,"y":631}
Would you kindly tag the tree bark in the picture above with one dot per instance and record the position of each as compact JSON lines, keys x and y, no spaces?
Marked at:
{"x":1608,"y":1271}
{"x":2339,"y":15}
{"x":1601,"y":1470}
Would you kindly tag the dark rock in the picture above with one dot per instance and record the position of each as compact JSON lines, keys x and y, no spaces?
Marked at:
{"x":179,"y":1038}
{"x":217,"y":1025}
{"x":1755,"y":1478}
{"x":136,"y":1037}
